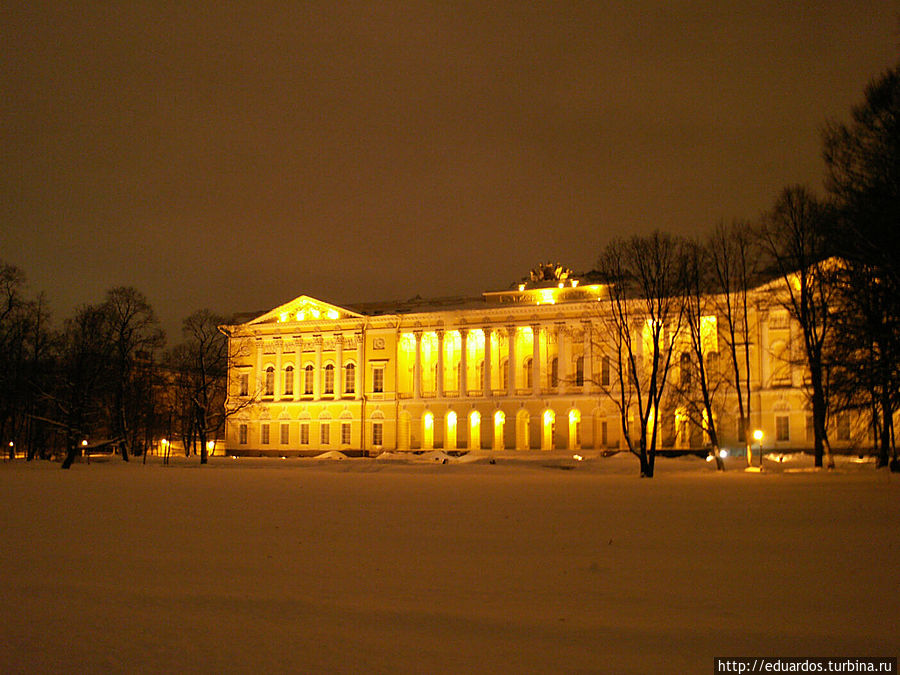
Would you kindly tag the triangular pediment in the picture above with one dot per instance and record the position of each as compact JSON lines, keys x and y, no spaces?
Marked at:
{"x":305,"y":309}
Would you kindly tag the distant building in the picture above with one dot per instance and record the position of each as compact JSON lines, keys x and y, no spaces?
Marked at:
{"x":526,"y":368}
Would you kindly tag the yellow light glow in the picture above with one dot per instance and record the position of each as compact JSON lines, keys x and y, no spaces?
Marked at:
{"x":548,"y":417}
{"x":574,"y":416}
{"x":709,"y":334}
{"x":574,"y":283}
{"x":315,"y":312}
{"x":526,"y":332}
{"x":521,"y":287}
{"x":332,"y":314}
{"x":83,"y":443}
{"x":560,"y":284}
{"x":547,"y":297}
{"x":475,"y":417}
{"x":283,"y":317}
{"x":301,"y":315}
{"x":428,"y":420}
{"x":499,"y":417}
{"x":451,"y":420}
{"x":758,"y":435}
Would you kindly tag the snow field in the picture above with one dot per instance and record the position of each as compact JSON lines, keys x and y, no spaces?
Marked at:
{"x":415,"y":565}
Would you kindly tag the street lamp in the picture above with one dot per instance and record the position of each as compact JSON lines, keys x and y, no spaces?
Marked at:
{"x":758,"y":436}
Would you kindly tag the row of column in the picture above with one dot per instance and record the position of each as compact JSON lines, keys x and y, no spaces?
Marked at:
{"x":564,"y":358}
{"x":319,"y":373}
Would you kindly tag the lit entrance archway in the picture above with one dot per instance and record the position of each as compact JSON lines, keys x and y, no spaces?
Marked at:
{"x":475,"y":430}
{"x":548,"y":426}
{"x":499,"y":422}
{"x":450,"y":435}
{"x":574,"y":429}
{"x":522,"y":435}
{"x":428,"y":431}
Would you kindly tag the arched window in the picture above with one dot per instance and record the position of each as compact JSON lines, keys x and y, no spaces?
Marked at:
{"x":308,"y":374}
{"x":329,"y":379}
{"x":270,"y":381}
{"x":289,"y":381}
{"x":579,"y":371}
{"x":350,"y":378}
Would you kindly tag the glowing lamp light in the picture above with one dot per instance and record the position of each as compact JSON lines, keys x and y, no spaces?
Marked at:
{"x":723,"y":453}
{"x":758,"y":435}
{"x":709,"y":458}
{"x":560,"y":284}
{"x":577,"y":458}
{"x":521,"y":287}
{"x":84,"y":443}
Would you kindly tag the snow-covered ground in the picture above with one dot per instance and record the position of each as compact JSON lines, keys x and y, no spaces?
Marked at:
{"x":537,"y":563}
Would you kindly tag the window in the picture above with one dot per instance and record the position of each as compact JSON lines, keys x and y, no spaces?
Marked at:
{"x":810,"y":429}
{"x":604,"y":434}
{"x":350,"y":379}
{"x":504,"y":375}
{"x":579,"y":371}
{"x":264,"y":434}
{"x":378,"y":379}
{"x":554,"y":373}
{"x":289,"y":381}
{"x":285,"y":433}
{"x":782,"y":428}
{"x":529,"y":373}
{"x":325,"y":432}
{"x":345,"y":433}
{"x":308,"y":380}
{"x":685,"y":368}
{"x":304,"y":433}
{"x":843,"y":427}
{"x":604,"y":371}
{"x":479,"y":374}
{"x":377,"y":434}
{"x":329,"y":379}
{"x":270,"y":381}
{"x":242,"y":434}
{"x":245,"y":384}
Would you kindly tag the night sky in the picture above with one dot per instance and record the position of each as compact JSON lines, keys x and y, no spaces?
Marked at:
{"x":236,"y":157}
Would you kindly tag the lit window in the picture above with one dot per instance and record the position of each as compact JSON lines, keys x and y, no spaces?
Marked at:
{"x":377,"y":434}
{"x":504,"y":375}
{"x":554,"y":373}
{"x":782,"y":428}
{"x":304,"y":433}
{"x":345,"y":433}
{"x":264,"y":434}
{"x":350,"y":379}
{"x":245,"y":384}
{"x":325,"y":433}
{"x":285,"y":433}
{"x":270,"y":381}
{"x":378,"y":379}
{"x":579,"y":371}
{"x":529,"y":372}
{"x":329,"y":379}
{"x":242,"y":434}
{"x":308,"y":380}
{"x":289,"y":381}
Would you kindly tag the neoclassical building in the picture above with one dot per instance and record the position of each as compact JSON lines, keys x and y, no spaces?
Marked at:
{"x":524,"y":369}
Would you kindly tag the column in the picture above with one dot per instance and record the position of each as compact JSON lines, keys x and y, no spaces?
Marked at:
{"x":536,"y":359}
{"x":511,"y":360}
{"x":317,"y":381}
{"x":463,"y":378}
{"x":417,"y":368}
{"x":358,"y":371}
{"x":562,"y":355}
{"x":339,"y":366}
{"x":279,"y":376}
{"x":588,"y":358}
{"x":260,"y":381}
{"x":439,"y":374}
{"x":486,"y":370}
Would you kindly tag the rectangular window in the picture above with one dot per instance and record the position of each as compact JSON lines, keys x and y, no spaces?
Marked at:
{"x":378,"y":379}
{"x":325,"y":433}
{"x":304,"y":433}
{"x":604,"y":434}
{"x":264,"y":434}
{"x":782,"y":428}
{"x":377,"y":434}
{"x":345,"y":433}
{"x":329,"y":379}
{"x":242,"y":434}
{"x":285,"y":433}
{"x":289,"y":381}
{"x":843,"y":427}
{"x":604,"y":372}
{"x":308,"y":380}
{"x":245,"y":384}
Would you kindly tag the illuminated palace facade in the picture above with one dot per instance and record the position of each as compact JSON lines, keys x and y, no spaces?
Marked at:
{"x":522,"y":369}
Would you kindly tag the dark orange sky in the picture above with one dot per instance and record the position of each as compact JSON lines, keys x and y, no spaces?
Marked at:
{"x":236,"y":157}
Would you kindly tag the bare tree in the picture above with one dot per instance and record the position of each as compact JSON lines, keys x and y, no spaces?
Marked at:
{"x":733,"y":263}
{"x":794,"y":234}
{"x":645,"y":315}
